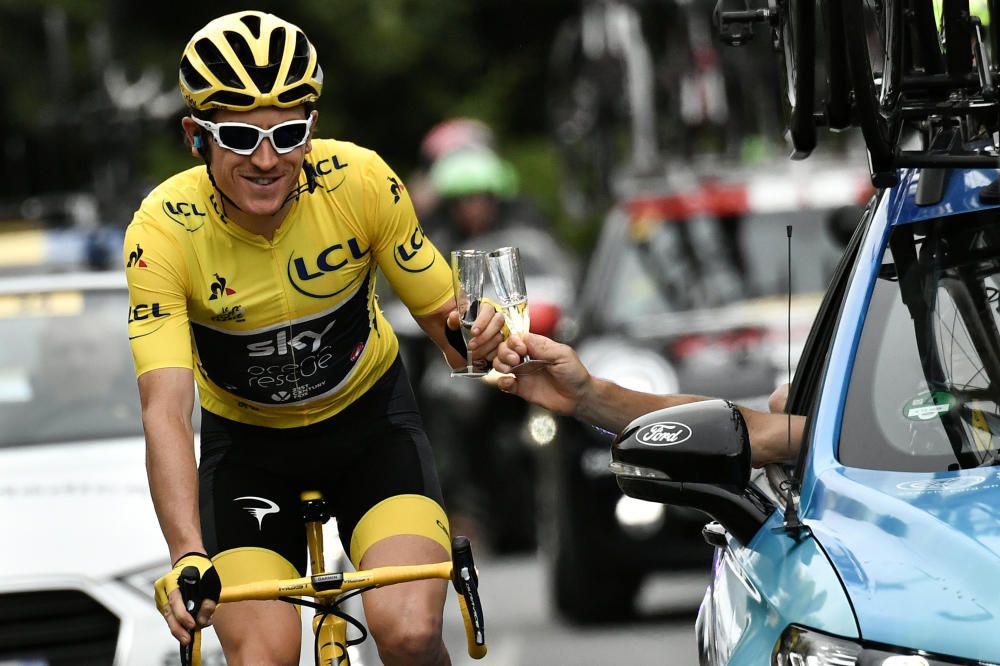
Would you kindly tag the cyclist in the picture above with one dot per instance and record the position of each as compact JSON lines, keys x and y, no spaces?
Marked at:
{"x":566,"y":387}
{"x":253,"y":275}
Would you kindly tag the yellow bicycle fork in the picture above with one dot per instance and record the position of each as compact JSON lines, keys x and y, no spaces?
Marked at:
{"x":329,"y":629}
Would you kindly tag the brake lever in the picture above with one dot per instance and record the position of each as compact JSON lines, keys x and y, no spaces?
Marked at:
{"x":187,"y":583}
{"x":466,"y":582}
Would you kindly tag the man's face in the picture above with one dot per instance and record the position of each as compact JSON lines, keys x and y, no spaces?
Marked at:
{"x":258,"y":183}
{"x":474,"y":214}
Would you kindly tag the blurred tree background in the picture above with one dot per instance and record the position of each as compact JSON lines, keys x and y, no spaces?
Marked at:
{"x":90,"y":100}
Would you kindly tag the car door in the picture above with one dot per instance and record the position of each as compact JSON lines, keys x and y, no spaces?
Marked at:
{"x":781,"y":576}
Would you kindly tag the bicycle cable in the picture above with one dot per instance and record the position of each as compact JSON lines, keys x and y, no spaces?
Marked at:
{"x":331,"y":609}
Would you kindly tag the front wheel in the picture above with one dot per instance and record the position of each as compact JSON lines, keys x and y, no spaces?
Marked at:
{"x":873,"y":35}
{"x":795,"y":43}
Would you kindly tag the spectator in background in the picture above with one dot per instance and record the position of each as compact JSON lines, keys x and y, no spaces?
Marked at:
{"x":476,"y":194}
{"x":446,"y":137}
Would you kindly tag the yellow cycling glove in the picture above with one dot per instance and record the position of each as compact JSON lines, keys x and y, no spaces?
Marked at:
{"x":209,"y":584}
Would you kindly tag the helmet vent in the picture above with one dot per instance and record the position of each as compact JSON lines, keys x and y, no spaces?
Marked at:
{"x":252,"y":22}
{"x":296,"y":93}
{"x":300,"y":60}
{"x":212,"y":57}
{"x":192,"y":79}
{"x":227,"y":99}
{"x":262,"y":76}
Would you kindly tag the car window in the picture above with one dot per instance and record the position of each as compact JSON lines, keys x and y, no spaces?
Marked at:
{"x":65,"y":368}
{"x":812,"y":367}
{"x":923,"y":392}
{"x":709,"y":262}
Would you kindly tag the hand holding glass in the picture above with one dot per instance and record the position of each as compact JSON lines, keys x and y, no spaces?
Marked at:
{"x":508,"y":281}
{"x":468,"y":274}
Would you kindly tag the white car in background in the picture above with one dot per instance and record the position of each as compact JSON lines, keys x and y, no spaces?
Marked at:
{"x":81,"y":543}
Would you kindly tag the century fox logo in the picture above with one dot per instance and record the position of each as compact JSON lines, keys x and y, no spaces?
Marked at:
{"x":280,"y":343}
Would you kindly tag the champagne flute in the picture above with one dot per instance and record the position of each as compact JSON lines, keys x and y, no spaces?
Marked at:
{"x":468,"y":275}
{"x":508,"y":282}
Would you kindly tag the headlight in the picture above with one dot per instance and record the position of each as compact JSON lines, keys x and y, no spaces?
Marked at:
{"x":638,"y":518}
{"x":541,"y":427}
{"x":631,"y":367}
{"x":799,"y":646}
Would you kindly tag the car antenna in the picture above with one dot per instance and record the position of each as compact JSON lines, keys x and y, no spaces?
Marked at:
{"x":793,"y":524}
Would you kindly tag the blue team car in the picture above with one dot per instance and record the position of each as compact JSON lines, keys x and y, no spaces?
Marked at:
{"x":879,"y":542}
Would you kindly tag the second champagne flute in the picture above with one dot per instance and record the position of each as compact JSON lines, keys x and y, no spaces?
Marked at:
{"x":508,"y":282}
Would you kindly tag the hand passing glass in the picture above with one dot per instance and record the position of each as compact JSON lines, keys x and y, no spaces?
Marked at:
{"x":508,"y":281}
{"x":468,"y":274}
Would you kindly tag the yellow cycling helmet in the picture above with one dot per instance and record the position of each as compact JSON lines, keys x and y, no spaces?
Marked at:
{"x":248,"y":59}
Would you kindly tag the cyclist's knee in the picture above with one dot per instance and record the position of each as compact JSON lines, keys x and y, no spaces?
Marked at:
{"x":410,"y":641}
{"x":249,"y":655}
{"x":256,"y":632}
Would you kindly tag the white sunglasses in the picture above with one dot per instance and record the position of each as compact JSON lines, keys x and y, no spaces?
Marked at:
{"x":243,"y":139}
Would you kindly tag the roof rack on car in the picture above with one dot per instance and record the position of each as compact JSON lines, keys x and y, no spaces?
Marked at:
{"x":902,"y":73}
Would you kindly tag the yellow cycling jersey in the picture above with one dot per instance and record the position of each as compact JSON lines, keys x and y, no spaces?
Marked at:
{"x":282,"y":332}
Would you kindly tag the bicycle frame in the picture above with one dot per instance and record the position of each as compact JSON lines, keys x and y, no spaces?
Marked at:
{"x":327,"y":587}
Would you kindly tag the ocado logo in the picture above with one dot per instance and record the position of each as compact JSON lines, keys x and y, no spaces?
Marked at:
{"x":666,"y":433}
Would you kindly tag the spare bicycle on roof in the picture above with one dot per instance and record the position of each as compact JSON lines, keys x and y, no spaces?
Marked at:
{"x":917,"y":77}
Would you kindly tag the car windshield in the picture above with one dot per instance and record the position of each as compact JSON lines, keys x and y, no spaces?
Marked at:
{"x":65,"y":369}
{"x":708,"y":262}
{"x":925,"y":384}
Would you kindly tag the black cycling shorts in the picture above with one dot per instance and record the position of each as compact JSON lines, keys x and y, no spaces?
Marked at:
{"x":374,"y":450}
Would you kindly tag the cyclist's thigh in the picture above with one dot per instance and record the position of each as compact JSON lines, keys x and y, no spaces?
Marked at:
{"x":245,"y":499}
{"x":392,"y":487}
{"x":252,"y":529}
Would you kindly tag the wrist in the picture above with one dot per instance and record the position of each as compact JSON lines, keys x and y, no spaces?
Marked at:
{"x":585,"y":397}
{"x":187,"y":548}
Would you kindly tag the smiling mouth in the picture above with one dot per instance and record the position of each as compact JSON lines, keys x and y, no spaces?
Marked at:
{"x":260,"y":180}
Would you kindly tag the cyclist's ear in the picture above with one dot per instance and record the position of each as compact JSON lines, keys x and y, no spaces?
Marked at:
{"x":194,"y":137}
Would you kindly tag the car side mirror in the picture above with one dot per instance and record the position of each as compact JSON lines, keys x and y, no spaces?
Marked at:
{"x":695,"y":455}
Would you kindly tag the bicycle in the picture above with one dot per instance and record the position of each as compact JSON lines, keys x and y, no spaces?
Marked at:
{"x":329,"y":589}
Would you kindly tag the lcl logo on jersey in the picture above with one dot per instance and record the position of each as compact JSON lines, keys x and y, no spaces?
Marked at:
{"x":328,"y":166}
{"x":186,"y":214}
{"x":304,"y":274}
{"x":143,"y":311}
{"x":219,"y":288}
{"x":408,"y":255}
{"x":135,"y":258}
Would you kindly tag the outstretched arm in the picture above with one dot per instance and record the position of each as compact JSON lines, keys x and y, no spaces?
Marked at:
{"x":566,"y":387}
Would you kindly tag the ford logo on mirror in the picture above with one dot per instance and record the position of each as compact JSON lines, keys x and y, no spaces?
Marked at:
{"x":663,"y":434}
